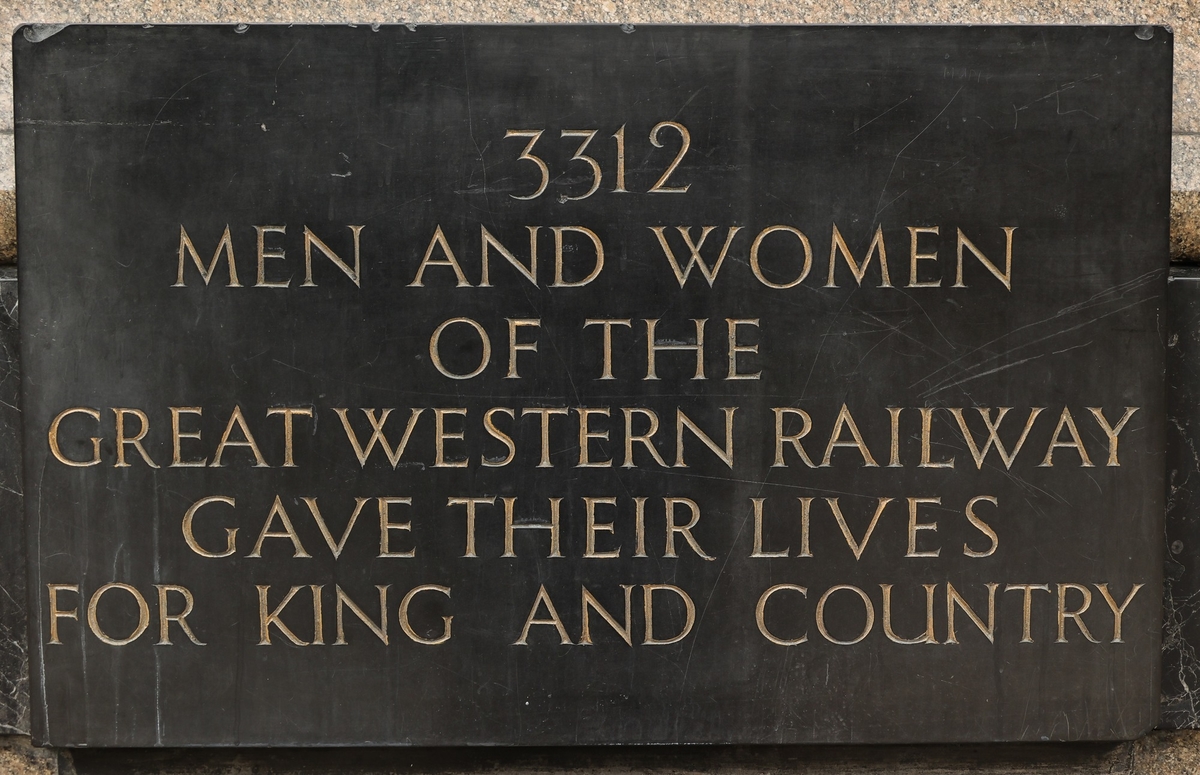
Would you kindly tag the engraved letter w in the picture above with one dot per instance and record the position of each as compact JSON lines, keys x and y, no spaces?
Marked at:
{"x":681,"y":274}
{"x":377,"y":421}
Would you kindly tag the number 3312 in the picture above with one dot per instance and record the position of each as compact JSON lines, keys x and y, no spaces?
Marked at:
{"x":658,"y":134}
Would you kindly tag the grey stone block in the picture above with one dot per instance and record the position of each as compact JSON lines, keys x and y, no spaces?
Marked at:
{"x":14,"y":681}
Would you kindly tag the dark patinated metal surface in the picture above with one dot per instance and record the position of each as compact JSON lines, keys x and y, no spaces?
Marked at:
{"x":1053,"y":141}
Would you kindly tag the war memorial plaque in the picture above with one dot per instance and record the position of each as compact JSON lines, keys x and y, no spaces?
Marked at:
{"x":549,"y":385}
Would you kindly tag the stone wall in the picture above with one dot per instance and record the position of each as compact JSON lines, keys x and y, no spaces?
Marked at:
{"x":1161,"y":752}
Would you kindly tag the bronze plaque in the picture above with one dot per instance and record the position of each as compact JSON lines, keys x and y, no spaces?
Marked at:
{"x":593,"y":385}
